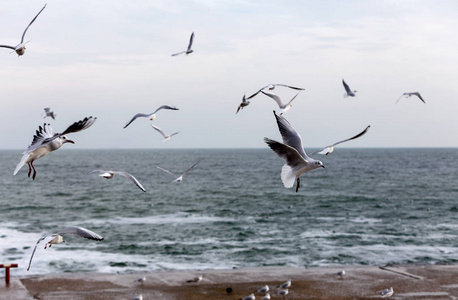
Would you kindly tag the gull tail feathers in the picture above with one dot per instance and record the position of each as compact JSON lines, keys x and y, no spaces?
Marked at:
{"x":287,"y":176}
{"x":21,"y":164}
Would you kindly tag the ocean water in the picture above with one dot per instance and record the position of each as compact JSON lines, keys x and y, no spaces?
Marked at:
{"x":368,"y":207}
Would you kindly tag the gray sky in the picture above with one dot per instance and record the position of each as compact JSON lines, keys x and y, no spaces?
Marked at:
{"x":112,"y":59}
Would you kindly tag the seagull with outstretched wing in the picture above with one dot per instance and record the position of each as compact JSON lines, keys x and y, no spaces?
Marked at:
{"x":407,"y":95}
{"x":329,"y":149}
{"x":111,"y":174}
{"x":348,"y":91}
{"x":189,"y":50}
{"x":179,"y":178}
{"x":152,"y":115}
{"x":272,"y":86}
{"x":284,"y":107}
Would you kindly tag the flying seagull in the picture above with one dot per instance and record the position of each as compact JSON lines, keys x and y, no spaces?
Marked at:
{"x":164,"y":135}
{"x":49,"y":113}
{"x":292,"y":151}
{"x":243,"y":104}
{"x":283,"y":107}
{"x":45,"y":141}
{"x":329,"y":149}
{"x":152,"y":115}
{"x":57,"y":238}
{"x":407,"y":95}
{"x":272,"y":87}
{"x":179,"y":178}
{"x":20,"y":48}
{"x":111,"y":174}
{"x":189,"y":50}
{"x":387,"y":293}
{"x":348,"y":91}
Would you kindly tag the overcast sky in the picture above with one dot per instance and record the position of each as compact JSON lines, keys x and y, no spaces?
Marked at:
{"x":112,"y":59}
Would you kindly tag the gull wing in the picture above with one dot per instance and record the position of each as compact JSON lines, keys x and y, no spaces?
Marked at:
{"x":401,"y":97}
{"x":34,"y":249}
{"x":291,"y":87}
{"x":419,"y":96}
{"x":6,"y":46}
{"x":159,"y":130}
{"x":167,"y":171}
{"x":23,"y":35}
{"x":288,"y":153}
{"x":191,"y":40}
{"x":190,"y":168}
{"x":293,"y":98}
{"x":47,"y":109}
{"x":81,"y":232}
{"x":326,"y":150}
{"x":139,"y":115}
{"x":131,"y":177}
{"x":164,"y":107}
{"x":347,"y":88}
{"x":275,"y":97}
{"x":79,"y":126}
{"x":182,"y":52}
{"x":290,"y":136}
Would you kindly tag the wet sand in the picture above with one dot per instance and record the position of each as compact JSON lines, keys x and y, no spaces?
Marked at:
{"x":408,"y":282}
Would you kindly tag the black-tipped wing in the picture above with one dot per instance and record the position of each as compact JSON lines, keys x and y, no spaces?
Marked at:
{"x":191,"y":40}
{"x":42,"y":136}
{"x":289,"y":135}
{"x":166,"y":171}
{"x":6,"y":46}
{"x":275,"y":97}
{"x":343,"y":141}
{"x":33,"y":252}
{"x":289,"y":154}
{"x":419,"y":96}
{"x":347,"y":88}
{"x":291,"y":87}
{"x":139,"y":115}
{"x":131,"y":177}
{"x":23,"y":35}
{"x":190,"y":168}
{"x":81,"y":232}
{"x":164,"y":107}
{"x":80,"y":125}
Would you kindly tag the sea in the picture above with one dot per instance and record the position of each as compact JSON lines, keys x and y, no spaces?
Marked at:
{"x":367,"y":207}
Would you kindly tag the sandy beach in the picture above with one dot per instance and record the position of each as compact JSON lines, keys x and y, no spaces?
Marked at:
{"x":360,"y":282}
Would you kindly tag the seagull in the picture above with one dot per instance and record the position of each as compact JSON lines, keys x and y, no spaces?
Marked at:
{"x":272,"y":87}
{"x":250,"y":297}
{"x":387,"y":293}
{"x":196,"y":279}
{"x":141,"y":280}
{"x":49,"y":113}
{"x":180,"y":178}
{"x":266,"y":297}
{"x":292,"y":151}
{"x":283,"y":293}
{"x":57,"y":238}
{"x":329,"y":149}
{"x":138,"y":297}
{"x":283,"y":107}
{"x":111,"y":174}
{"x":341,"y":273}
{"x":189,"y":51}
{"x":410,"y":95}
{"x":45,"y":141}
{"x":243,"y":104}
{"x":20,"y":48}
{"x":264,"y":289}
{"x":165,"y":136}
{"x":348,"y":91}
{"x":152,"y":115}
{"x":285,"y":285}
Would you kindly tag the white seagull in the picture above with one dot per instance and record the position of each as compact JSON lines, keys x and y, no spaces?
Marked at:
{"x":141,"y":280}
{"x":264,"y":289}
{"x":407,"y":95}
{"x":243,"y":104}
{"x":285,"y":285}
{"x":272,"y":86}
{"x":266,"y":297}
{"x":292,"y":151}
{"x":196,"y":279}
{"x":341,"y":273}
{"x":283,"y":107}
{"x":20,"y":48}
{"x":179,"y":178}
{"x":57,"y":238}
{"x":387,"y":293}
{"x":283,"y":293}
{"x":348,"y":91}
{"x":45,"y":141}
{"x":249,"y":297}
{"x":111,"y":174}
{"x":138,"y":297}
{"x":49,"y":113}
{"x":189,"y":50}
{"x":329,"y":149}
{"x":164,"y":135}
{"x":152,"y":115}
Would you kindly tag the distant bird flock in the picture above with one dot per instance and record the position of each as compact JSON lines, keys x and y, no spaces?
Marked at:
{"x":290,"y":149}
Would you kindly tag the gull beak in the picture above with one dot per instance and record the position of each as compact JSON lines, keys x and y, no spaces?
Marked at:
{"x":323,"y":166}
{"x":70,"y":141}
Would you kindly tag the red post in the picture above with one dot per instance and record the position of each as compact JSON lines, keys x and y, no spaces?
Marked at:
{"x":7,"y":272}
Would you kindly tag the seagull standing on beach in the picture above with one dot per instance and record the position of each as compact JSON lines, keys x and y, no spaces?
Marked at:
{"x":387,"y":293}
{"x":348,"y":91}
{"x":407,"y":95}
{"x":20,"y":48}
{"x":57,"y":238}
{"x":285,"y":285}
{"x":196,"y":279}
{"x":164,"y":135}
{"x":341,"y":273}
{"x":152,"y":115}
{"x":283,"y":293}
{"x":45,"y":141}
{"x":292,"y":151}
{"x":141,"y":280}
{"x":189,"y":50}
{"x":272,"y":86}
{"x":49,"y":113}
{"x":283,"y":107}
{"x":249,"y":297}
{"x":111,"y":174}
{"x":264,"y":289}
{"x":329,"y":149}
{"x":266,"y":297}
{"x":179,"y":178}
{"x":138,"y":297}
{"x":243,"y":104}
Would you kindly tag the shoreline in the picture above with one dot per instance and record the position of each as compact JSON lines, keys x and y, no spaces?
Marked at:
{"x":360,"y":282}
